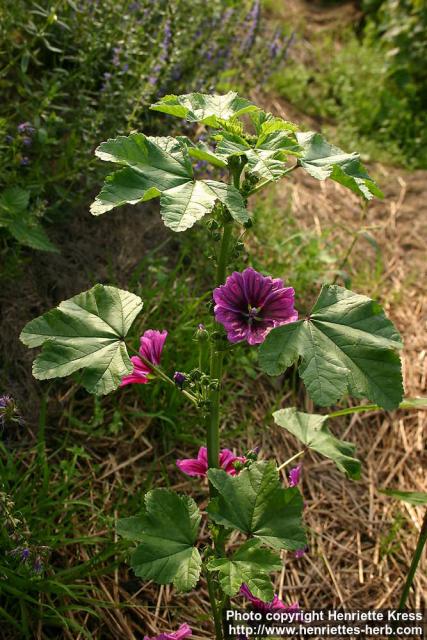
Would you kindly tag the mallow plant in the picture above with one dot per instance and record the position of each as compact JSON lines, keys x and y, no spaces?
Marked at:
{"x":345,"y":346}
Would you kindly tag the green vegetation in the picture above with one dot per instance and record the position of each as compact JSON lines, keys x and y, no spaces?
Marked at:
{"x":368,"y":85}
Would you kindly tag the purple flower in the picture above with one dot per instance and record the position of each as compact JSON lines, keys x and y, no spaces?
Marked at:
{"x":250,"y":304}
{"x":23,"y":126}
{"x":9,"y":139}
{"x":27,"y":141}
{"x":199,"y":466}
{"x":299,"y":553}
{"x":179,"y":378}
{"x":151,"y":346}
{"x":264,"y":607}
{"x":184,"y":631}
{"x":8,"y":411}
{"x":25,"y":554}
{"x":25,"y":161}
{"x":295,"y":475}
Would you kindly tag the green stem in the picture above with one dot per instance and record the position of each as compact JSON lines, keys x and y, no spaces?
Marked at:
{"x":163,"y":376}
{"x":422,"y":539}
{"x":215,"y":612}
{"x":409,"y":403}
{"x":285,"y":464}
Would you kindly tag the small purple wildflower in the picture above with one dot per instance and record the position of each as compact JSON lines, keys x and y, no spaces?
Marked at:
{"x":125,"y":68}
{"x":252,"y":20}
{"x":249,"y":305}
{"x":179,"y":378}
{"x":25,"y":554}
{"x":26,"y":140}
{"x":23,"y":126}
{"x":184,"y":631}
{"x":9,"y":139}
{"x":299,"y":553}
{"x":25,"y":161}
{"x":295,"y":475}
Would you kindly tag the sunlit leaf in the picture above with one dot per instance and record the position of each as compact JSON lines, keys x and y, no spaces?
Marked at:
{"x":346,"y":345}
{"x":312,"y":431}
{"x":322,"y":160}
{"x":205,"y":108}
{"x":85,"y":332}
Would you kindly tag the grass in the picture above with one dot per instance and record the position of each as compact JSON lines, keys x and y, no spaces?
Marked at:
{"x":334,"y":79}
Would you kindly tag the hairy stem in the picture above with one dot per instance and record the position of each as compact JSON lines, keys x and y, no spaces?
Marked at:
{"x":215,"y":612}
{"x":422,"y":539}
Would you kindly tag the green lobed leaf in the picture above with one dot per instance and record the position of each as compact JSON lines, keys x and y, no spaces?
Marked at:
{"x":323,"y":160}
{"x":413,"y":497}
{"x":268,"y":163}
{"x":182,"y":206}
{"x":205,"y":108}
{"x":346,"y":345}
{"x":23,"y":226}
{"x":250,"y":564}
{"x":167,"y":531}
{"x":312,"y":431}
{"x":162,"y":167}
{"x":85,"y":332}
{"x":255,"y":503}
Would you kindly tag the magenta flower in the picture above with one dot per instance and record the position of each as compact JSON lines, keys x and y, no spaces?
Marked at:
{"x":184,"y":631}
{"x":249,"y":305}
{"x":295,"y":475}
{"x":151,"y":346}
{"x":199,"y":466}
{"x":264,"y":607}
{"x":299,"y":553}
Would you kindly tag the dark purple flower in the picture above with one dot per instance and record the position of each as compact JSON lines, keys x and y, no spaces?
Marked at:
{"x":25,"y":161}
{"x":8,"y":410}
{"x":198,"y":467}
{"x":27,"y":141}
{"x":179,"y":378}
{"x":151,"y":346}
{"x":25,"y":554}
{"x":184,"y":631}
{"x":299,"y":553}
{"x":295,"y":475}
{"x":9,"y":139}
{"x":250,"y":304}
{"x":264,"y":607}
{"x":125,"y":68}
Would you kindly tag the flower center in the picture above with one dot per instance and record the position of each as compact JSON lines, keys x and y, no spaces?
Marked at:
{"x":253,"y":314}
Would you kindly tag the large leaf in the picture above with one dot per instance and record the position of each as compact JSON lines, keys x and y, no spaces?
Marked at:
{"x":251,"y":565}
{"x":322,"y":160}
{"x":85,"y":332}
{"x":205,"y":108}
{"x":162,"y":167}
{"x":255,"y":503}
{"x":168,"y":531}
{"x":182,"y":206}
{"x":412,"y":497}
{"x":152,"y":165}
{"x":312,"y":431}
{"x":24,"y":227}
{"x":346,"y":345}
